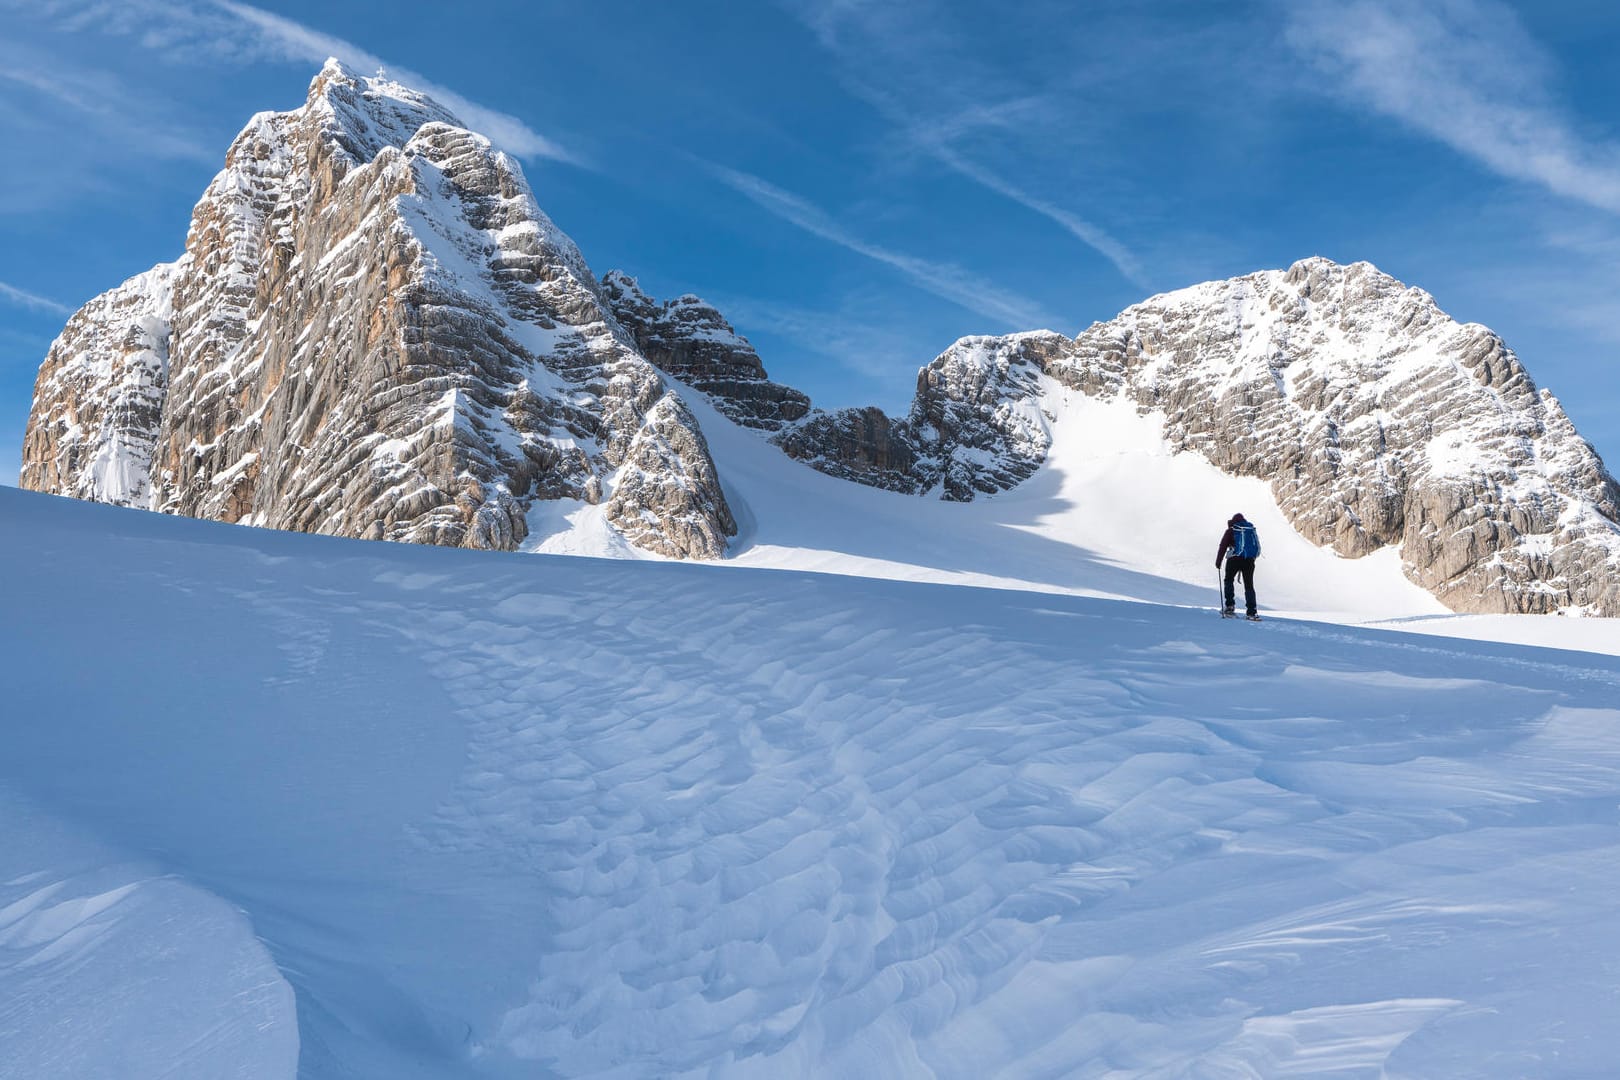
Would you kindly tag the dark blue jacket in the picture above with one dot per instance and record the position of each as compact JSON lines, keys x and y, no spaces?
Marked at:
{"x":1229,"y":541}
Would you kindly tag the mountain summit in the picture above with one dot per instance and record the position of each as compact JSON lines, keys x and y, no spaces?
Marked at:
{"x":374,"y":331}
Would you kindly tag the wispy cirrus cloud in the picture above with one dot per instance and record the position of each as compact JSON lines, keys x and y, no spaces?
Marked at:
{"x":32,"y":301}
{"x":296,"y":41}
{"x":945,"y":280}
{"x":866,"y":343}
{"x":231,"y":32}
{"x":1464,"y":72}
{"x":99,"y":101}
{"x":911,"y":44}
{"x":939,"y":137}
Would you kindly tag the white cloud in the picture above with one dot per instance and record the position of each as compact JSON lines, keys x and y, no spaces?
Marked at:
{"x":944,"y":280}
{"x":296,"y":41}
{"x":912,"y":44}
{"x":1464,"y":72}
{"x":32,"y":301}
{"x":103,"y":103}
{"x":236,"y":33}
{"x":1093,"y":236}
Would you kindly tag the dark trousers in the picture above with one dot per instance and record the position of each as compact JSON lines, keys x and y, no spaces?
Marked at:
{"x":1234,"y":567}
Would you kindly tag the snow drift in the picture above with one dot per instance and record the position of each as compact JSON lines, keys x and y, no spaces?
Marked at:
{"x":278,"y":803}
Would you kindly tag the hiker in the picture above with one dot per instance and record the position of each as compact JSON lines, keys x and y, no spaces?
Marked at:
{"x":1240,"y":546}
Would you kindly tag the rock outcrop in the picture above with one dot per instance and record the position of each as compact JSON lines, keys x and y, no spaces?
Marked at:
{"x":1377,"y":419}
{"x":975,"y":425}
{"x":692,"y":341}
{"x":98,"y":399}
{"x":374,"y":331}
{"x":864,"y":445}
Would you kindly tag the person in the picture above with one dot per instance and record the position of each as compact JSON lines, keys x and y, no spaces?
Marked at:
{"x":1240,"y":546}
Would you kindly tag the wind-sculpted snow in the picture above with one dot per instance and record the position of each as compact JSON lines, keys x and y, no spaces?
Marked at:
{"x":375,"y":332}
{"x":590,"y":818}
{"x":115,"y":968}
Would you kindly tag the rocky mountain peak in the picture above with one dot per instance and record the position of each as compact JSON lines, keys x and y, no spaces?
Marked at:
{"x":374,"y":331}
{"x":1379,"y":421}
{"x":359,"y":115}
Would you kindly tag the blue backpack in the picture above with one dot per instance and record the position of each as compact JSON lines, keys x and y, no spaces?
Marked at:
{"x":1245,"y":541}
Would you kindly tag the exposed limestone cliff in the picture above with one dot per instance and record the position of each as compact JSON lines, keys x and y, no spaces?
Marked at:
{"x":375,"y":331}
{"x":98,"y":399}
{"x":692,"y":341}
{"x":1377,"y":418}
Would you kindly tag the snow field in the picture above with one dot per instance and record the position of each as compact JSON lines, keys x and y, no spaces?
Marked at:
{"x":1111,"y":514}
{"x":112,"y":968}
{"x":500,"y":817}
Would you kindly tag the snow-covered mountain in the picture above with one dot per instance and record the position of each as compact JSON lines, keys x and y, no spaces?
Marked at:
{"x":1377,"y":419}
{"x":278,"y":805}
{"x":376,"y":332}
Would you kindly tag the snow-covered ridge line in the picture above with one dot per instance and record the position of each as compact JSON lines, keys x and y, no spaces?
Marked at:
{"x":376,"y":331}
{"x":1377,"y":420}
{"x":361,"y":262}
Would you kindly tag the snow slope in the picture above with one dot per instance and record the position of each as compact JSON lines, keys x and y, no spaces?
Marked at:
{"x":1112,"y":512}
{"x":497,"y":817}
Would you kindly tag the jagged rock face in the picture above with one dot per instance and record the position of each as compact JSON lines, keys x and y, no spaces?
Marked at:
{"x":1378,"y":420}
{"x":864,"y":445}
{"x":975,"y":426}
{"x":692,"y":341}
{"x":98,"y":400}
{"x":376,"y":332}
{"x":977,"y":418}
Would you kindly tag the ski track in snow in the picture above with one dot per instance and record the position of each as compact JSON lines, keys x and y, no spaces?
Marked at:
{"x":573,"y":817}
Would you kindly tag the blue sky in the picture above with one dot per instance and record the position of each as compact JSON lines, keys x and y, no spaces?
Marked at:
{"x":856,"y":184}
